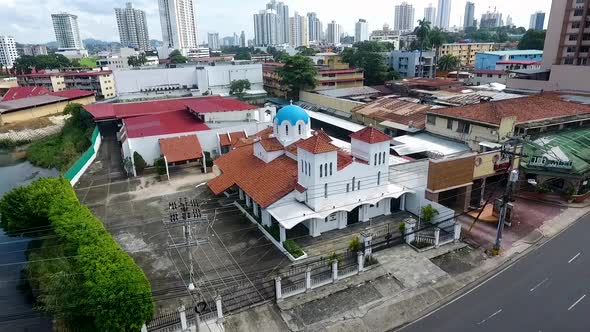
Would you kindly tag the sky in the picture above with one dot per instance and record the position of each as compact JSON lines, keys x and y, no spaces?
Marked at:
{"x":29,"y":21}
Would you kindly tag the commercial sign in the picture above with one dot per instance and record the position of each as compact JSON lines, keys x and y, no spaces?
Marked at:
{"x":540,"y":161}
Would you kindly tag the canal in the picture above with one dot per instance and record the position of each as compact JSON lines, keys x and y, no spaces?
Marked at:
{"x":17,"y":309}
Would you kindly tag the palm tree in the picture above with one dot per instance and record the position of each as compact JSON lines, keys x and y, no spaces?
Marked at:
{"x":448,"y":62}
{"x":422,"y":31}
{"x":436,"y":38}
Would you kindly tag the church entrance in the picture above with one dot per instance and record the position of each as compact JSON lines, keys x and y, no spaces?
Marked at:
{"x":353,"y":216}
{"x":395,"y":205}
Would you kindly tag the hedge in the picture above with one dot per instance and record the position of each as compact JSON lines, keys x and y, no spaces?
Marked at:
{"x":293,"y":248}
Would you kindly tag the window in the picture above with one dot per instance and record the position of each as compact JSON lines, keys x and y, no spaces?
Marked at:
{"x":330,"y":169}
{"x":348,"y":187}
{"x":450,"y":124}
{"x":321,"y":170}
{"x":384,"y":155}
{"x":353,"y":182}
{"x":576,"y":25}
{"x":358,"y":185}
{"x":499,"y":75}
{"x":490,"y":75}
{"x":571,"y":49}
{"x":578,"y":12}
{"x":302,"y":165}
{"x":326,"y":169}
{"x":325,"y":190}
{"x":299,"y":127}
{"x":573,"y":37}
{"x":287,"y":130}
{"x":375,"y":160}
{"x":463,"y":127}
{"x":431,"y":119}
{"x":568,"y":61}
{"x":379,"y":178}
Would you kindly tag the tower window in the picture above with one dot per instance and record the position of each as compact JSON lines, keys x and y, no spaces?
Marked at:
{"x":330,"y":168}
{"x":299,"y":127}
{"x":287,"y":129}
{"x":325,"y":190}
{"x":379,"y":178}
{"x":302,"y":170}
{"x":375,"y":160}
{"x":347,"y":187}
{"x":358,"y":185}
{"x":353,"y":182}
{"x":321,"y":170}
{"x":326,"y":168}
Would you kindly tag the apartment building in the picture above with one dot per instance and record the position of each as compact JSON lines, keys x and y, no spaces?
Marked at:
{"x":8,"y":53}
{"x":466,"y":51}
{"x":409,"y":63}
{"x":101,"y":82}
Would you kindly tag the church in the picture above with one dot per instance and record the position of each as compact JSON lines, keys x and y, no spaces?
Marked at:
{"x":294,"y":177}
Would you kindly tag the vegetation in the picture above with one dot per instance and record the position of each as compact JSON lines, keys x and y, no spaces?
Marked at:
{"x":293,"y":248}
{"x":25,"y":63}
{"x":428,"y":212}
{"x":298,"y":73}
{"x":274,"y":231}
{"x":80,"y":275}
{"x":402,"y":227}
{"x":448,"y":62}
{"x":422,"y":32}
{"x":367,"y":55}
{"x":238,"y":88}
{"x":139,"y":162}
{"x":532,"y":40}
{"x":208,"y":159}
{"x":177,"y":57}
{"x":355,"y":244}
{"x":137,"y":60}
{"x":334,"y":257}
{"x":62,"y":150}
{"x":370,"y":260}
{"x":160,"y":164}
{"x":87,"y":62}
{"x":306,"y":51}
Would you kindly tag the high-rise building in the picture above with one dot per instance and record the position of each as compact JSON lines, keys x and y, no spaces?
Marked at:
{"x":537,"y":21}
{"x":213,"y":41}
{"x":133,"y":30}
{"x":469,"y":18}
{"x":35,"y":50}
{"x":299,"y":36}
{"x":443,"y":14}
{"x":430,"y":14}
{"x":282,"y":24}
{"x":404,"y":17}
{"x":8,"y":52}
{"x":509,"y":21}
{"x":243,"y":39}
{"x":179,"y":30}
{"x":333,"y":33}
{"x":265,"y":28}
{"x":361,"y":30}
{"x":67,"y":32}
{"x":491,"y":20}
{"x":315,"y":28}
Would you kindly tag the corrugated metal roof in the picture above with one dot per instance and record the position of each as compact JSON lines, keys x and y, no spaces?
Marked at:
{"x":18,"y":104}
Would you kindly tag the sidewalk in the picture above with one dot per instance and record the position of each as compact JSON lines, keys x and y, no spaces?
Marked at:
{"x":405,"y":286}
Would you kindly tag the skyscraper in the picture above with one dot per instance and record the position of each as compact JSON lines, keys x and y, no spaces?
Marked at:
{"x":404,"y":17}
{"x":282,"y":12}
{"x":299,"y":35}
{"x":8,"y":52}
{"x":509,"y":21}
{"x":213,"y":41}
{"x":491,"y":20}
{"x":133,"y":30}
{"x":361,"y":31}
{"x":537,"y":21}
{"x":314,"y":27}
{"x":333,"y":33}
{"x":469,"y":18}
{"x":243,"y":39}
{"x":177,"y":18}
{"x":67,"y":32}
{"x":443,"y":15}
{"x":265,"y":28}
{"x":430,"y":14}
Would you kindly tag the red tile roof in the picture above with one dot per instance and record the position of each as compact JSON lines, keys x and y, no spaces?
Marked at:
{"x":265,"y":183}
{"x":395,"y":110}
{"x":72,"y":94}
{"x":181,"y":148}
{"x":344,"y":159}
{"x":271,"y":144}
{"x":292,"y":148}
{"x":163,"y":124}
{"x":370,"y":135}
{"x":526,"y":109}
{"x":317,"y":144}
{"x":24,"y":92}
{"x":228,"y":139}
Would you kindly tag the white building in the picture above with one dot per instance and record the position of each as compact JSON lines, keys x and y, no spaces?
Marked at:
{"x":295,"y":178}
{"x":213,"y":40}
{"x":469,"y":16}
{"x":333,"y":35}
{"x":8,"y":52}
{"x":430,"y":14}
{"x":299,"y":36}
{"x":118,"y":61}
{"x":443,"y":15}
{"x":315,"y":28}
{"x":361,"y":30}
{"x":265,"y":28}
{"x":133,"y":30}
{"x":67,"y":32}
{"x":491,"y":20}
{"x":35,"y":50}
{"x":179,"y":30}
{"x":404,"y":17}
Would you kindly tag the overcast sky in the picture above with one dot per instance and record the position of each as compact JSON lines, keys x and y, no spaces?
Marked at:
{"x":29,"y":21}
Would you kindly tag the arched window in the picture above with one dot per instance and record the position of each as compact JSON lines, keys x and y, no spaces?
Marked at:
{"x":358,"y":187}
{"x":287,"y":129}
{"x":330,"y":168}
{"x":379,"y":178}
{"x":347,"y":187}
{"x":321,"y":170}
{"x":353,"y":182}
{"x":302,"y":170}
{"x":384,"y":156}
{"x":325,"y":190}
{"x":309,"y":169}
{"x":299,"y":126}
{"x":375,"y":160}
{"x":326,"y":168}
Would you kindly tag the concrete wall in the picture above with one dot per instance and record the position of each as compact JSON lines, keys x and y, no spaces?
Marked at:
{"x":477,"y":133}
{"x":40,"y":111}
{"x":130,"y":81}
{"x":342,"y":105}
{"x":484,"y":79}
{"x":553,"y":35}
{"x":219,"y":78}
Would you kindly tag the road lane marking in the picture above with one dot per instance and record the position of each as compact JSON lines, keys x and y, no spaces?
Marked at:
{"x":539,"y":284}
{"x":578,"y":301}
{"x":572,"y":259}
{"x":492,"y":315}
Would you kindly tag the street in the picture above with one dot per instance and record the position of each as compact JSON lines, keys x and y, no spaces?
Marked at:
{"x":547,"y":290}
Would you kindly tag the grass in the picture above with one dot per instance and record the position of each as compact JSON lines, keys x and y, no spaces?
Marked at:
{"x":293,"y":248}
{"x":60,"y":151}
{"x":29,"y":124}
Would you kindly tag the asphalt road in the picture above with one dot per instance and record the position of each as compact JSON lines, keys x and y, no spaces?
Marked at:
{"x":547,"y":290}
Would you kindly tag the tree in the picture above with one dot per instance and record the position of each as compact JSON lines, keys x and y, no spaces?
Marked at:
{"x":422,"y":31}
{"x":532,"y":40}
{"x":238,"y":87}
{"x":139,"y":162}
{"x":368,"y":55}
{"x":437,"y":39}
{"x":137,"y":60}
{"x":298,"y":73}
{"x":243,"y":55}
{"x":79,"y":117}
{"x":307,"y":51}
{"x":428,"y":212}
{"x":448,"y":62}
{"x":177,"y":57}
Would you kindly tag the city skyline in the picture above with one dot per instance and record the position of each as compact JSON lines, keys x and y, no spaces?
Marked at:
{"x":29,"y":21}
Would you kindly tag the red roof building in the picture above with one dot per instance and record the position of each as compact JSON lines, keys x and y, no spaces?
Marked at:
{"x":163,"y":124}
{"x":24,"y":92}
{"x":370,"y":135}
{"x":183,"y":148}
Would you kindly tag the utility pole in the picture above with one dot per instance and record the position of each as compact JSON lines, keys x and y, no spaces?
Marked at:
{"x":512,"y":179}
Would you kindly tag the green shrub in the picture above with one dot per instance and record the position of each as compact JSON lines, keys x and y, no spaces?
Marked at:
{"x":335,"y":257}
{"x":293,"y":248}
{"x":428,"y":213}
{"x":208,"y":159}
{"x":275,"y":231}
{"x":543,"y":189}
{"x":139,"y":162}
{"x":355,"y":244}
{"x":402,"y":227}
{"x":160,"y":164}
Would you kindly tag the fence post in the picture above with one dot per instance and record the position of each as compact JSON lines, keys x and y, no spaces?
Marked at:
{"x":219,"y":309}
{"x":278,"y":290}
{"x":308,"y":279}
{"x":410,"y":224}
{"x":334,"y":270}
{"x":361,"y":261}
{"x":436,"y":237}
{"x":143,"y":328}
{"x":368,"y":241}
{"x":183,"y":323}
{"x":457,"y":232}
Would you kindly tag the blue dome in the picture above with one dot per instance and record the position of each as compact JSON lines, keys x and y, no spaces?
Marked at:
{"x":293,"y":114}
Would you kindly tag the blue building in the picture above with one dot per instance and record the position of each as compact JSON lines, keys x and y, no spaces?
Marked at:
{"x":487,"y":60}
